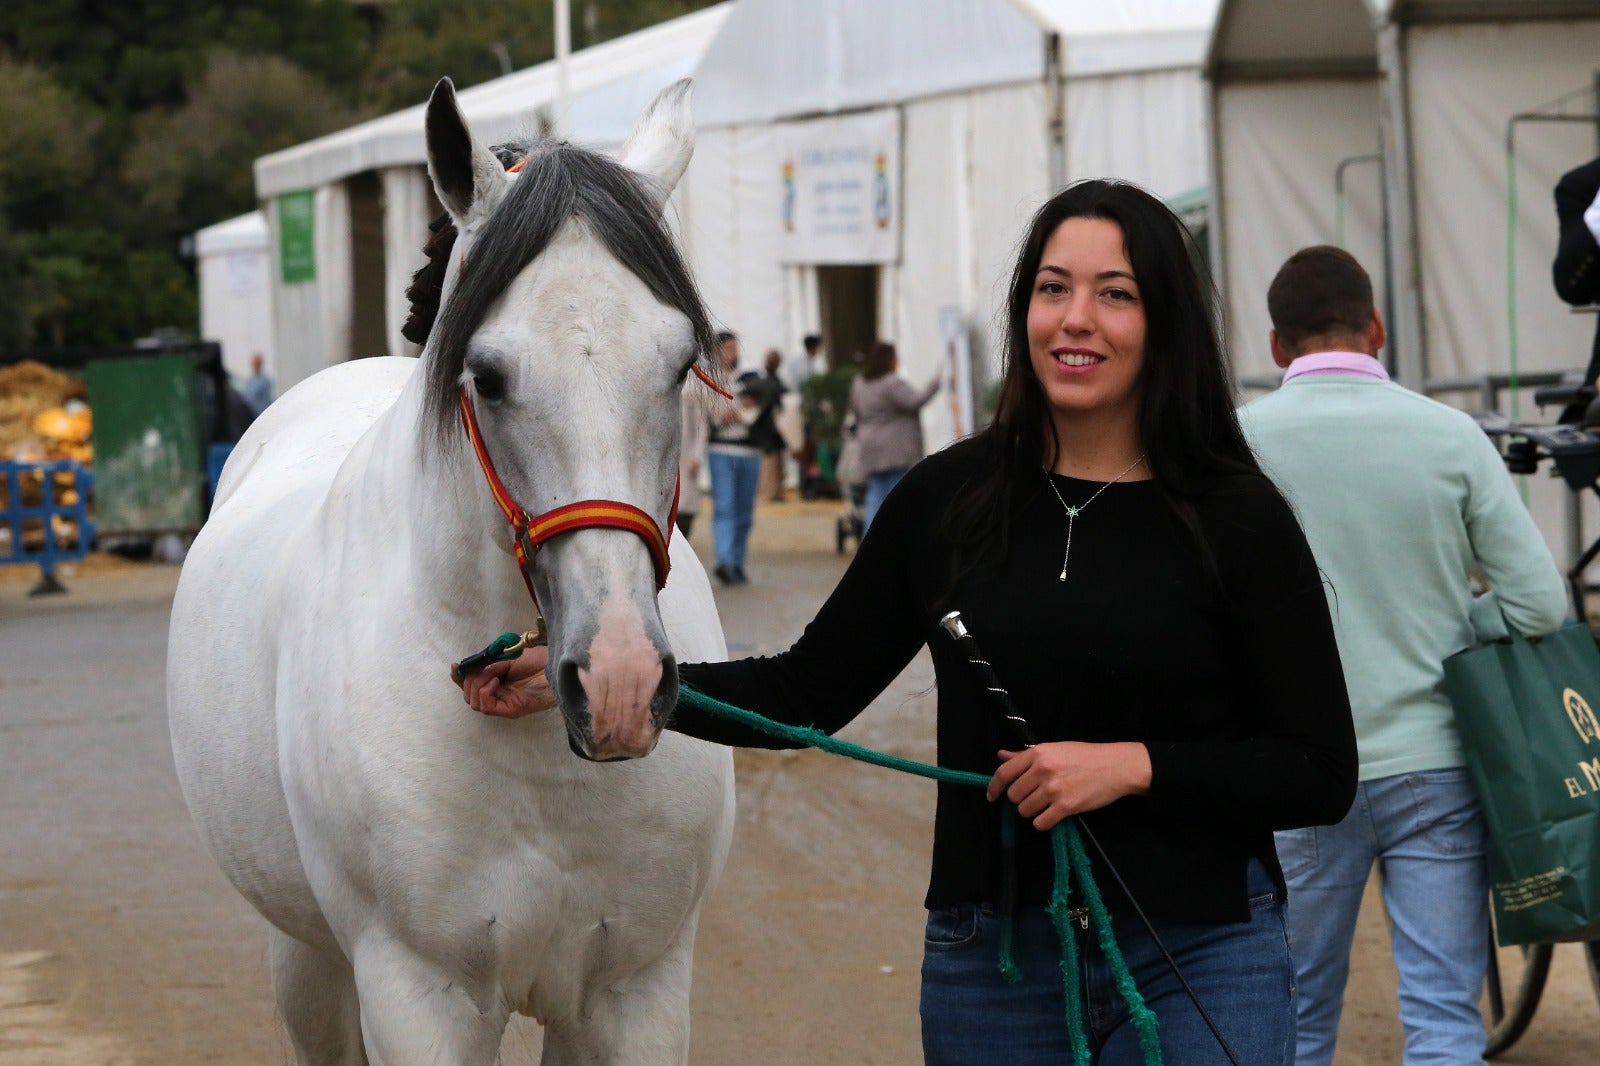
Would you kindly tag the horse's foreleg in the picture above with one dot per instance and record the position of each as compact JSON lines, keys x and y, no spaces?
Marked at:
{"x":316,"y":993}
{"x":415,"y":1014}
{"x":642,"y":1021}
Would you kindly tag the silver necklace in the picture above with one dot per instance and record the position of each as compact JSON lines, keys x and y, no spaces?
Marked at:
{"x":1074,"y":512}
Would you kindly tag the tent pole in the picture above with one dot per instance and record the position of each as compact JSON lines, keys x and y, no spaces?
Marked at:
{"x":563,"y":53}
{"x":1056,"y":111}
{"x":1407,"y":328}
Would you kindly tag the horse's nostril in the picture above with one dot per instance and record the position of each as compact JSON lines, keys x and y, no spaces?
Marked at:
{"x":665,"y":699}
{"x":569,"y":686}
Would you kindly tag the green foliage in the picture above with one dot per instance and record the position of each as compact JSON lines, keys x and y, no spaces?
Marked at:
{"x":824,"y":401}
{"x":43,"y":128}
{"x":185,"y":165}
{"x":87,"y":287}
{"x":424,"y":40}
{"x":127,"y":124}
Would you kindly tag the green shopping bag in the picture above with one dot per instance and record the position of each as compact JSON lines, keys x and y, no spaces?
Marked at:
{"x":1526,"y":713}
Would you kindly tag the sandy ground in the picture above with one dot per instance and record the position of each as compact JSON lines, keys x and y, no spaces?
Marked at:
{"x":120,"y":943}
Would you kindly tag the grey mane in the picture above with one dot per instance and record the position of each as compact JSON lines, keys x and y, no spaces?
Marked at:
{"x":558,"y":182}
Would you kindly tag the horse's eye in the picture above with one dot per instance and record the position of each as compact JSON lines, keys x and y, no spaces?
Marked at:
{"x":490,"y":384}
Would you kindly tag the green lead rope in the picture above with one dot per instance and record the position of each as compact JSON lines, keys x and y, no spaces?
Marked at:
{"x":1071,"y":862}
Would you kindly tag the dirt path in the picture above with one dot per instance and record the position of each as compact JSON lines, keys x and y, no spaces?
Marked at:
{"x":120,"y":943}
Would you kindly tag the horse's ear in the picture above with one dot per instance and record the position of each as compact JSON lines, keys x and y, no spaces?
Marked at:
{"x":464,"y":172}
{"x":659,"y":147}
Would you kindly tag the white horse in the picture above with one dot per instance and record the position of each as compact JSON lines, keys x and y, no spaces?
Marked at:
{"x":427,"y":871}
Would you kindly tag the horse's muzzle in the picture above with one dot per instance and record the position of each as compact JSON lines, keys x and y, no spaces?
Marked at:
{"x":617,"y":716}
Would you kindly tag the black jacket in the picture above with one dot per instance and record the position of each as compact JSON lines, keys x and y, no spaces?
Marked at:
{"x":1576,"y":270}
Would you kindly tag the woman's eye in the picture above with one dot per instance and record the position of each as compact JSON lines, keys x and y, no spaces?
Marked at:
{"x":1119,"y":295}
{"x":490,"y":385}
{"x":1052,"y":288}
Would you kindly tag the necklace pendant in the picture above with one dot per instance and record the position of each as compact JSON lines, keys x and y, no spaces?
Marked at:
{"x":1063,"y":574}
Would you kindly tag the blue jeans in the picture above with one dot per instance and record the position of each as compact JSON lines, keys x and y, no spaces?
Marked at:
{"x":1426,"y":835}
{"x":878,"y":486}
{"x":1241,"y":972}
{"x":733,"y":502}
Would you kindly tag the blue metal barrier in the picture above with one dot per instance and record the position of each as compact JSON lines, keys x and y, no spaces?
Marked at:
{"x":13,"y":515}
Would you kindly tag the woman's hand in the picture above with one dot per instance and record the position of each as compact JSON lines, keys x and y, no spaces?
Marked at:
{"x":1049,"y":782}
{"x":512,"y":689}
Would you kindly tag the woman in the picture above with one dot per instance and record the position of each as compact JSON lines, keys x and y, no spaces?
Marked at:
{"x":1172,"y":650}
{"x":888,"y":428}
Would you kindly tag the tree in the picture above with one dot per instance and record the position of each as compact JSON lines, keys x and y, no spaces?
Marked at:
{"x":44,"y":134}
{"x":193,"y":166}
{"x":86,"y":287}
{"x":424,"y":40}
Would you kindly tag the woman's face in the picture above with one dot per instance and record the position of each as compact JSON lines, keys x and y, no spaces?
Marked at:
{"x":1086,"y":323}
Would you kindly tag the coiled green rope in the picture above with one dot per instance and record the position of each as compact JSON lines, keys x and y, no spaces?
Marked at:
{"x":1071,"y":862}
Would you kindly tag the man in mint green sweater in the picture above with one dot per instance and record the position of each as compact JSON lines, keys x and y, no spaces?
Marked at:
{"x":1401,"y":498}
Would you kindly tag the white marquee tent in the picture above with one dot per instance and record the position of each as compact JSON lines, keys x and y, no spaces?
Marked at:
{"x":357,"y":202}
{"x":1432,"y":86}
{"x":1439,"y":89}
{"x":973,"y":110}
{"x":979,"y":107}
{"x":234,"y":261}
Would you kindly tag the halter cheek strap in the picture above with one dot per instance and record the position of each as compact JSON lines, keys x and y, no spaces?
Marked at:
{"x":528,"y":532}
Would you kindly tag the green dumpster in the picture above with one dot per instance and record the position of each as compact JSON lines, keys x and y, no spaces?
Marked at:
{"x":149,"y":477}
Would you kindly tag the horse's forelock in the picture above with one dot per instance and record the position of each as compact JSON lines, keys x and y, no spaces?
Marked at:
{"x":558,"y":182}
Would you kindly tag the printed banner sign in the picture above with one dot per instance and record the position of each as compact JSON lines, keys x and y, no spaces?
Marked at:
{"x":957,"y":370}
{"x":841,"y":189}
{"x":297,"y":248}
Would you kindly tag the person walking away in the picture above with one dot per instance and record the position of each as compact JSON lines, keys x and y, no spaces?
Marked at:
{"x":807,"y":362}
{"x":1576,"y":269}
{"x":1401,"y":498}
{"x":888,"y":423}
{"x":764,"y":433}
{"x":1150,"y":602}
{"x":735,"y":464}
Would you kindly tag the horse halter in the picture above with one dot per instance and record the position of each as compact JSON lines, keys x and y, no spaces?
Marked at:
{"x":530,"y":531}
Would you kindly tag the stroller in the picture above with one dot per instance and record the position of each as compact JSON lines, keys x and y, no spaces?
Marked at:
{"x":852,"y":490}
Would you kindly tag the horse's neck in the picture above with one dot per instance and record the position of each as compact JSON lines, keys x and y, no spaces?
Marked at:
{"x":427,"y":506}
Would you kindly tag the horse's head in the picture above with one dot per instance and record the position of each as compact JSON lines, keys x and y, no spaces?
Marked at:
{"x":570,"y":323}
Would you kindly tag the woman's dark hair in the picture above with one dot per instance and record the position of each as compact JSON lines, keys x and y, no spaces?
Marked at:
{"x":879,"y":361}
{"x":1187,"y":424}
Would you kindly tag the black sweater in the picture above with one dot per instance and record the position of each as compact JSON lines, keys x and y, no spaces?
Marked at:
{"x":1237,"y":692}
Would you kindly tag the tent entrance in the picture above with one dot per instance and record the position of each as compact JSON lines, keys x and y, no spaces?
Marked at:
{"x":849,"y":311}
{"x":367,"y":333}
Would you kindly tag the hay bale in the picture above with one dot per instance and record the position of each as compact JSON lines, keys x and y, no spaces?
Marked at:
{"x":27,"y":389}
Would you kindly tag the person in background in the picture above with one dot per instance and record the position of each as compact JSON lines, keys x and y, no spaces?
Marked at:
{"x":1150,"y":602}
{"x":258,"y":387}
{"x":1401,"y":498}
{"x":888,"y":423}
{"x":764,"y":431}
{"x":735,"y":463}
{"x":809,"y":361}
{"x":1576,"y":269}
{"x":695,"y":414}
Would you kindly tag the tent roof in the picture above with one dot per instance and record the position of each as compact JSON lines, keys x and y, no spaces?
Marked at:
{"x":1272,"y":39}
{"x":776,"y":59}
{"x":1268,"y":38}
{"x":246,"y":233}
{"x":610,"y":83}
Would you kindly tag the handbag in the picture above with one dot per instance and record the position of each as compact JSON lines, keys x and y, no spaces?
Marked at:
{"x":1526,"y":713}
